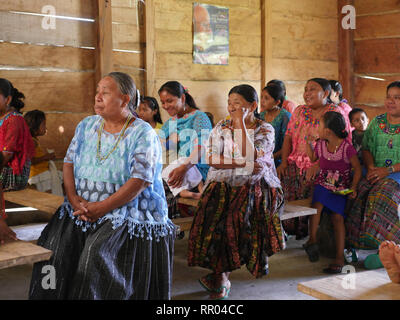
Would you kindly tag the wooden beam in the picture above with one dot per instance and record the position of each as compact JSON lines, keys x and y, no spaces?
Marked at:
{"x":150,"y":56}
{"x":104,"y":49}
{"x":266,"y":42}
{"x":346,"y":55}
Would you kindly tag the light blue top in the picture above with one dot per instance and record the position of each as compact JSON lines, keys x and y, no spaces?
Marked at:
{"x":138,"y":155}
{"x":193,"y":129}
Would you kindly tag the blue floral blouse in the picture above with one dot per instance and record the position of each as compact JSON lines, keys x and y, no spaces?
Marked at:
{"x":193,"y":129}
{"x":138,"y":155}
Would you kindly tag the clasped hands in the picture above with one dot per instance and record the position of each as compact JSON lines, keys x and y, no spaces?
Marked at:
{"x":87,"y":211}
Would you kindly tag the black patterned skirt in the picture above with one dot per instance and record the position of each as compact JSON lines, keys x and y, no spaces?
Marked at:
{"x":103,"y":263}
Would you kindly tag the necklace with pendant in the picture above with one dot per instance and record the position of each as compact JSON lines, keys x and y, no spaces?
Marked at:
{"x":100,"y":131}
{"x":329,"y":158}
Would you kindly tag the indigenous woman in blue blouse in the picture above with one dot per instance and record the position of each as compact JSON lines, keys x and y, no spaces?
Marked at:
{"x":111,"y":238}
{"x":272,"y":98}
{"x":185,"y":134}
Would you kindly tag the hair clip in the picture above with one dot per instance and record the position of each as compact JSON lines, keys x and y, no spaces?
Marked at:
{"x":185,"y":89}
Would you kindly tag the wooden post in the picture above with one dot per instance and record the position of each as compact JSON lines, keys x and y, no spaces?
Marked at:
{"x":346,"y":55}
{"x":266,"y":42}
{"x":150,"y":56}
{"x":104,"y":49}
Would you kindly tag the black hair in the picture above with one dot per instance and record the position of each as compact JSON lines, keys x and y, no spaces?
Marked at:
{"x":153,"y":105}
{"x":354,"y":111}
{"x":177,"y":90}
{"x":1,"y":162}
{"x":248,"y":93}
{"x":335,"y":121}
{"x":34,"y":119}
{"x":276,"y":92}
{"x":17,"y":99}
{"x":278,"y":83}
{"x":337,"y":87}
{"x":325,"y":85}
{"x":394,"y":84}
{"x":211,"y":117}
{"x":5,"y":87}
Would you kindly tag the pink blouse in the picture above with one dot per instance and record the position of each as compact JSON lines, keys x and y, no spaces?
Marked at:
{"x":302,"y":128}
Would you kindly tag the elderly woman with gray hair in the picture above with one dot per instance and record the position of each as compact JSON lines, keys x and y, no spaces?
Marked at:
{"x":111,"y":238}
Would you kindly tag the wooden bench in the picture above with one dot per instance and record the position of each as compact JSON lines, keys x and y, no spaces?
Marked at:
{"x":368,"y":285}
{"x":293,"y":209}
{"x":42,"y":201}
{"x":49,"y":203}
{"x":21,"y":252}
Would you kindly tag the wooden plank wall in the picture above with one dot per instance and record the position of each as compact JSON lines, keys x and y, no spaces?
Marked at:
{"x":304,"y":43}
{"x":129,"y":39}
{"x":208,"y":84}
{"x":377,"y":52}
{"x":54,"y":68}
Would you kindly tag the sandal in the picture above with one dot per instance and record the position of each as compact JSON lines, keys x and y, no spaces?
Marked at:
{"x":333,"y":269}
{"x":312,"y":251}
{"x":223,"y":291}
{"x":208,"y":278}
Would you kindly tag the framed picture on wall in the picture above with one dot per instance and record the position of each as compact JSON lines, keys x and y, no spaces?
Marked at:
{"x":210,"y":34}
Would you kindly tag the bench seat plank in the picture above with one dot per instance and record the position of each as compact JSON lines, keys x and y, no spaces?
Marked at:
{"x":20,"y":252}
{"x":368,"y":285}
{"x":42,"y":201}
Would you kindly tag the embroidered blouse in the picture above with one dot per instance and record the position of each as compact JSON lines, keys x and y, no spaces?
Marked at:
{"x":335,"y":168}
{"x":382,"y":139}
{"x":138,"y":155}
{"x":222,"y":142}
{"x":302,"y":128}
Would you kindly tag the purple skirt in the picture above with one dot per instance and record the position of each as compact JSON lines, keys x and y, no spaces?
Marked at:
{"x":333,"y":202}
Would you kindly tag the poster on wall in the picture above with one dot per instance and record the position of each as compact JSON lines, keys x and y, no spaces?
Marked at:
{"x":210,"y":34}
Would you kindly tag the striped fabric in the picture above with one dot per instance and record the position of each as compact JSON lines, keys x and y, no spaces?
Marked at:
{"x":103,"y":263}
{"x":373,"y":216}
{"x":234,"y":226}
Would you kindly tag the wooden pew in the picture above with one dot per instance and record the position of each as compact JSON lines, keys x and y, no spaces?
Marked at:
{"x":292,"y":209}
{"x":21,"y":252}
{"x":367,"y":285}
{"x":42,"y":201}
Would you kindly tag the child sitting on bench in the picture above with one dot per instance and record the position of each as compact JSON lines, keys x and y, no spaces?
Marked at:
{"x":44,"y":174}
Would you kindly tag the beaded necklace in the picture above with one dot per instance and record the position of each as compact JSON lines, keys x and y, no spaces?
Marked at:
{"x":99,"y":132}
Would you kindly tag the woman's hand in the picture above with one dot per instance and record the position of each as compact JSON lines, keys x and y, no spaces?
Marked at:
{"x":78,"y":203}
{"x":312,"y":172}
{"x":6,"y":234}
{"x":176,"y":176}
{"x":282,"y":170}
{"x":93,"y":211}
{"x":239,"y":114}
{"x":376,"y":173}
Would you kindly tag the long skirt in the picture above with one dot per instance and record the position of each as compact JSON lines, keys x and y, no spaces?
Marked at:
{"x":13,"y":182}
{"x":373,"y":216}
{"x":102,"y":263}
{"x":296,"y":187}
{"x":234,"y":226}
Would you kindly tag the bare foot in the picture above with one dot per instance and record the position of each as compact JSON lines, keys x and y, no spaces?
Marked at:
{"x":388,"y":258}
